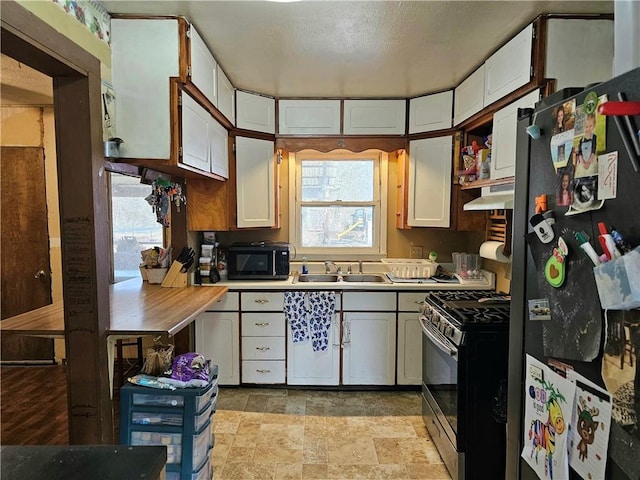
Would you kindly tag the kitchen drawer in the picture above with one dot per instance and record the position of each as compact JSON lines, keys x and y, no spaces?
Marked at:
{"x":173,"y":418}
{"x":410,"y":301}
{"x":263,"y":348}
{"x":370,"y":302}
{"x":263,"y":301}
{"x":263,"y":325}
{"x":230,"y":302}
{"x":263,"y":371}
{"x":196,"y":446}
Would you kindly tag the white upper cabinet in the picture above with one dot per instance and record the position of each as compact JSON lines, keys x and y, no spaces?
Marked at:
{"x":310,"y":117}
{"x":256,"y":112}
{"x":255,"y":183}
{"x":145,"y":53}
{"x":203,"y":67}
{"x":469,"y":96}
{"x":226,"y":97}
{"x":374,"y":117}
{"x":219,"y":150}
{"x":196,"y":134}
{"x":431,"y":112}
{"x":508,"y":68}
{"x":505,"y":129}
{"x":430,"y":182}
{"x":565,"y":37}
{"x":205,"y":143}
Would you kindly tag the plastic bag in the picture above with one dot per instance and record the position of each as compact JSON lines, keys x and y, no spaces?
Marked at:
{"x":190,"y":366}
{"x":158,"y":359}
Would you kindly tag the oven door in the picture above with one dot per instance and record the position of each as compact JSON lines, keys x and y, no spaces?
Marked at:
{"x":440,"y":377}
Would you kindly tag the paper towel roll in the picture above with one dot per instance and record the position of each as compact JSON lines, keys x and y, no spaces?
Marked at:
{"x":494,"y":251}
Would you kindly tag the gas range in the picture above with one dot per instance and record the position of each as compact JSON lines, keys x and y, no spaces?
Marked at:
{"x":453,"y":313}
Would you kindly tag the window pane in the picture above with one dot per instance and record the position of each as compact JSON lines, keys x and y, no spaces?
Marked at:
{"x":346,"y":180}
{"x":134,"y":225}
{"x":337,"y":226}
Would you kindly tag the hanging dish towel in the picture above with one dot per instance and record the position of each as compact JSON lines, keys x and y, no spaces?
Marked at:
{"x":295,"y":312}
{"x":322,"y":307}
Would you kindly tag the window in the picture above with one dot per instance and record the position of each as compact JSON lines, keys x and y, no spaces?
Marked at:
{"x":133,"y":223}
{"x":340,"y":210}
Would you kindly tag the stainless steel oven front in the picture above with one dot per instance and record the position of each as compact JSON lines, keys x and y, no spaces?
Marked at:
{"x":440,"y":392}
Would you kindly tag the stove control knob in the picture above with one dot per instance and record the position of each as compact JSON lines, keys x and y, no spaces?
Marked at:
{"x":448,"y":331}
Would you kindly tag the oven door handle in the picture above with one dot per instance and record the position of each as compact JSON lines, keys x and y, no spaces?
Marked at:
{"x":445,"y":347}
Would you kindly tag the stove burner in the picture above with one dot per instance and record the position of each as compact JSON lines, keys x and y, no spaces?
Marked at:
{"x":463,"y":307}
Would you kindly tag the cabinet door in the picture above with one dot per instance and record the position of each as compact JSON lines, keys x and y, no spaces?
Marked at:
{"x":226,"y":96}
{"x":196,"y":134}
{"x":306,"y":367}
{"x":219,"y":149}
{"x":369,"y":348}
{"x":508,"y":68}
{"x":409,"y":364}
{"x":431,"y":112}
{"x":144,"y":55}
{"x":203,"y":67}
{"x":256,"y":112}
{"x":218,"y":339}
{"x":374,"y":117}
{"x":565,"y":36}
{"x":469,"y":96}
{"x":255,"y":183}
{"x":309,"y":117}
{"x":429,"y":193}
{"x":377,"y":302}
{"x":505,"y":123}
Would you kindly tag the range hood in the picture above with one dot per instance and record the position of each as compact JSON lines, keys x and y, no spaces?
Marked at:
{"x":499,"y":197}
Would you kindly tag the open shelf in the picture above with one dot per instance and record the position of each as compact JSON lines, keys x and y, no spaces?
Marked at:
{"x":487,"y":183}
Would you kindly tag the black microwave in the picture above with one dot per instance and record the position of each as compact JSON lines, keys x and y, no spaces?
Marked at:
{"x":258,"y":261}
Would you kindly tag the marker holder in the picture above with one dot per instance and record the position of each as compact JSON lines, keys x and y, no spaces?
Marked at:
{"x":618,"y":282}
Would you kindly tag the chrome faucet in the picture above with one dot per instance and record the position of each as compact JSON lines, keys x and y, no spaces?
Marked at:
{"x":359,"y":267}
{"x":328,"y":263}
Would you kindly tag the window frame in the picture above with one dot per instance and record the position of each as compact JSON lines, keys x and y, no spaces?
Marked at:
{"x":379,"y":248}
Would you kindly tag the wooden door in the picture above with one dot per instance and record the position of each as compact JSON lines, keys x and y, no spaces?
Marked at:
{"x":26,"y":271}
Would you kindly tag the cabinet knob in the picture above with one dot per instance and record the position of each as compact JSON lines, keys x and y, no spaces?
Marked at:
{"x":262,"y":324}
{"x":261,"y":300}
{"x":263,"y":349}
{"x":263,"y":371}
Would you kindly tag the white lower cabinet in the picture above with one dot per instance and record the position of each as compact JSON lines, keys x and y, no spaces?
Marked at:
{"x":306,"y":367}
{"x":263,"y":342}
{"x":369,"y":353}
{"x":409,"y":366}
{"x":409,"y":360}
{"x":218,"y":340}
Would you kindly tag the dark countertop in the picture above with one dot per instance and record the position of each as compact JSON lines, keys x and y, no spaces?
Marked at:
{"x":99,"y":462}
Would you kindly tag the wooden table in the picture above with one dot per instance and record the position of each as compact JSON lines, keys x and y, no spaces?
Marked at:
{"x":107,"y":462}
{"x":137,"y":309}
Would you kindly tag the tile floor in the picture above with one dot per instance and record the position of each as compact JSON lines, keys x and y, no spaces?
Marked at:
{"x":282,"y":434}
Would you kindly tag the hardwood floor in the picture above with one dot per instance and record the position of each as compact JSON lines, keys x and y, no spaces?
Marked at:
{"x":33,"y":406}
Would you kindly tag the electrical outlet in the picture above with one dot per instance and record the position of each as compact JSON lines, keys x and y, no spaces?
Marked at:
{"x":415,"y":252}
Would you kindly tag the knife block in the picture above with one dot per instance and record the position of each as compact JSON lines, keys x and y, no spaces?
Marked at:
{"x":174,"y":277}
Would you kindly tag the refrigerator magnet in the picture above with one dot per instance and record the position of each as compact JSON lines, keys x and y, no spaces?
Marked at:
{"x":554,"y":270}
{"x":542,"y":227}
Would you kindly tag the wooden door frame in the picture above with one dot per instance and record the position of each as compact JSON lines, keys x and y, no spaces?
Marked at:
{"x":83,"y":213}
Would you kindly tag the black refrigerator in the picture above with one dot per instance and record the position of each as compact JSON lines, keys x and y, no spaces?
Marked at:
{"x":556,"y":312}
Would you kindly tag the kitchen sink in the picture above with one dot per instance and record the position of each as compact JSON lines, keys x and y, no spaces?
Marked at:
{"x":348,"y":277}
{"x":371,"y":278}
{"x":312,"y":277}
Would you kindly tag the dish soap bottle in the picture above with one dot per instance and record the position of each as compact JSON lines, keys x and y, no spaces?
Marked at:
{"x":305,"y":270}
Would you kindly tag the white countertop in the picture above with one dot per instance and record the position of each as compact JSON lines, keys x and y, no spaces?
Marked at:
{"x":289,"y":285}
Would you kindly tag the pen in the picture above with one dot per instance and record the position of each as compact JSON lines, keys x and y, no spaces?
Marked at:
{"x":606,"y":242}
{"x":586,"y":247}
{"x":619,"y":241}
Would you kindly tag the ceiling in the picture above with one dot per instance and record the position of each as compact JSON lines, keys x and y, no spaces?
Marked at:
{"x":367,"y":49}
